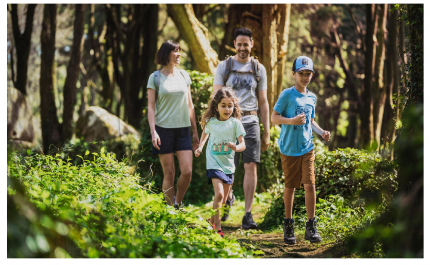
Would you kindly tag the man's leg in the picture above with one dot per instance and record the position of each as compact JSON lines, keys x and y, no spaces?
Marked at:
{"x":249,"y":184}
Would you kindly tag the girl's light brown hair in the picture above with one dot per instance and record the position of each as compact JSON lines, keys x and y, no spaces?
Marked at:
{"x":224,"y":92}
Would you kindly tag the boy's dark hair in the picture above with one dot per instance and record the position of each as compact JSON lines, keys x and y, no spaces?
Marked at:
{"x":164,"y":52}
{"x":243,"y":32}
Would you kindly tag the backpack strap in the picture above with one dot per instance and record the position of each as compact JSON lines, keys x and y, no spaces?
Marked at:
{"x":228,"y":68}
{"x":256,"y":69}
{"x":156,"y":83}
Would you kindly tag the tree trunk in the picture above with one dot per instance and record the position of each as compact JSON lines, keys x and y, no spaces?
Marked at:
{"x":367,"y":132}
{"x":283,"y":32}
{"x":195,"y":35}
{"x":381,"y":93}
{"x":23,"y":44}
{"x":51,"y":129}
{"x":73,"y":69}
{"x":234,"y":21}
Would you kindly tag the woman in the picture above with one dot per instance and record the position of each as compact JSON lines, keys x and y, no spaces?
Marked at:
{"x":170,"y":114}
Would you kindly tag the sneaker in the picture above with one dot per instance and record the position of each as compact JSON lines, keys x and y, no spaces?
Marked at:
{"x":209,"y":221}
{"x":289,"y":237}
{"x":177,"y":206}
{"x":248,"y":222}
{"x":220,"y":233}
{"x":311,"y":233}
{"x":228,"y":205}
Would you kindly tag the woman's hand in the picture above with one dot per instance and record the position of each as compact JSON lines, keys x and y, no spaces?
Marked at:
{"x":156,"y":140}
{"x":198,"y":151}
{"x":232,"y":146}
{"x":196,"y":141}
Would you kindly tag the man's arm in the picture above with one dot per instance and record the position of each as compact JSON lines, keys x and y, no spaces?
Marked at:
{"x":263,"y":105}
{"x":215,"y":89}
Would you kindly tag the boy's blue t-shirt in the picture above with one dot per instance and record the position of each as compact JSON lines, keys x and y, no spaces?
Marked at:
{"x":296,"y":140}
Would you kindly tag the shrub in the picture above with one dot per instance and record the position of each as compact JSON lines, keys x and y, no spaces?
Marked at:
{"x":102,"y":208}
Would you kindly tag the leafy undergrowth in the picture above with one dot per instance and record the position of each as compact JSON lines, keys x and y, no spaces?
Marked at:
{"x":104,"y":211}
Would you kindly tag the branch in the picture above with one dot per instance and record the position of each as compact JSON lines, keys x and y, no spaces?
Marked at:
{"x":249,"y":14}
{"x":212,"y":8}
{"x":356,"y":27}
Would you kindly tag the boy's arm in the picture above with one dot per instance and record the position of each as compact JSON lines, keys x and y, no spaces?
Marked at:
{"x":316,"y":128}
{"x":203,"y":139}
{"x":277,"y":118}
{"x":240,"y":147}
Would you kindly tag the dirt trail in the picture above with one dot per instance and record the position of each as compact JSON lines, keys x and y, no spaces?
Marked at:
{"x":273,"y":245}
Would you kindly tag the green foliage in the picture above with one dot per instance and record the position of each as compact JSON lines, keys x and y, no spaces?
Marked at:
{"x":102,"y":208}
{"x":149,"y":165}
{"x":360,"y":177}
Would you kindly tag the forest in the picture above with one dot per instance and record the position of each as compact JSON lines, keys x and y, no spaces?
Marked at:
{"x":82,"y":181}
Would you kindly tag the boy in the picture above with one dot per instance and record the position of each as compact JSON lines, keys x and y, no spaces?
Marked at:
{"x":295,"y":110}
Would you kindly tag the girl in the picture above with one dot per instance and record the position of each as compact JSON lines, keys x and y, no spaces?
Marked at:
{"x":221,"y":124}
{"x":170,"y":114}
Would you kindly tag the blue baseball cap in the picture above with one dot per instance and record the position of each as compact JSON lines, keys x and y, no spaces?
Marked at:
{"x":303,"y":63}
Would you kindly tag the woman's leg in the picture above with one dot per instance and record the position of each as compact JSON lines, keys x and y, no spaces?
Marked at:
{"x":185,"y":159}
{"x":218,"y":199}
{"x":168,"y":165}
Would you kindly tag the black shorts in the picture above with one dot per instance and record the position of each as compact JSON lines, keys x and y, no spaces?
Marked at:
{"x":252,"y":142}
{"x":215,"y":173}
{"x":172,"y":140}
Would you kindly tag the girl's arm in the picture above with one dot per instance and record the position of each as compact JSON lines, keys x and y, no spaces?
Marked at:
{"x":277,"y":118}
{"x":151,"y":118}
{"x":240,"y":147}
{"x":193,"y":120}
{"x":203,"y":139}
{"x":316,"y":128}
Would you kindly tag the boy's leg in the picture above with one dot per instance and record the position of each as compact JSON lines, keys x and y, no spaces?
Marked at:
{"x":218,"y":199}
{"x":288,"y":202}
{"x":308,"y":180}
{"x":310,"y":200}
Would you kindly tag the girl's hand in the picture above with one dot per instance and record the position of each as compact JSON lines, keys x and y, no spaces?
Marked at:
{"x":156,"y":140}
{"x":232,"y":146}
{"x":299,"y":119}
{"x":196,"y":141}
{"x":198,"y":151}
{"x":326,"y":136}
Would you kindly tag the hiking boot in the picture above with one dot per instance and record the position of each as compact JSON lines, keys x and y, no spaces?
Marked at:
{"x":289,"y":237}
{"x":228,"y":204}
{"x":220,"y":233}
{"x":248,"y":222}
{"x":311,"y":233}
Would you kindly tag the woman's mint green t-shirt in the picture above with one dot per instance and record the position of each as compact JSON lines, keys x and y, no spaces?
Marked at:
{"x":171,"y":106}
{"x":218,"y":154}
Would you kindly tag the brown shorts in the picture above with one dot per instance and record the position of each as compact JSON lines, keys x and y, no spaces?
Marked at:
{"x":299,"y":169}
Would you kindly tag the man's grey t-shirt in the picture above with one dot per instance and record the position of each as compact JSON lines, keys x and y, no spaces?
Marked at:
{"x":243,"y":84}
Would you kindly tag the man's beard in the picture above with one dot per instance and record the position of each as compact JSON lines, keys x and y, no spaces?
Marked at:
{"x":243,"y":55}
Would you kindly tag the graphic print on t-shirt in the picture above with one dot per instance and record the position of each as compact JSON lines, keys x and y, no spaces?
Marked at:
{"x":242,"y":82}
{"x":307,"y":109}
{"x":219,"y":146}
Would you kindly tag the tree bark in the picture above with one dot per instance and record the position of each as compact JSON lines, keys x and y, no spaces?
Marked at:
{"x":73,"y":69}
{"x":23,"y":44}
{"x":381,"y":93}
{"x":367,"y":132}
{"x":234,"y":21}
{"x":195,"y":35}
{"x":283,"y":32}
{"x":51,"y":129}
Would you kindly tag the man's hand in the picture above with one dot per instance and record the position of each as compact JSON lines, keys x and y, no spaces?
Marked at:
{"x":326,"y":136}
{"x":299,"y":119}
{"x":265,"y":141}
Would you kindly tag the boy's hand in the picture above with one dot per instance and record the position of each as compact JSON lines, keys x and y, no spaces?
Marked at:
{"x":299,"y":119}
{"x":232,"y":146}
{"x":326,"y":136}
{"x":198,"y":151}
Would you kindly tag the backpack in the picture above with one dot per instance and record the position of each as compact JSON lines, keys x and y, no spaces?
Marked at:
{"x":254,"y":65}
{"x":157,"y":80}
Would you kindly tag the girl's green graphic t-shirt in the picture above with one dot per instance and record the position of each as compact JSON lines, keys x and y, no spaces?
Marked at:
{"x":218,"y":154}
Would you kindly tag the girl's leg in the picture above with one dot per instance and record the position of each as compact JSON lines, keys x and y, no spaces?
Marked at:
{"x":218,"y":199}
{"x":310,"y":200}
{"x":185,"y":159}
{"x":168,"y":165}
{"x":288,"y":202}
{"x":227,"y":191}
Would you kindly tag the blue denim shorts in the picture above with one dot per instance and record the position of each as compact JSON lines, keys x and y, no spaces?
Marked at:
{"x":173,"y":139}
{"x":215,"y":173}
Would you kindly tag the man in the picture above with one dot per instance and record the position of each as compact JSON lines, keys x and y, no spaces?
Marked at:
{"x":249,"y":82}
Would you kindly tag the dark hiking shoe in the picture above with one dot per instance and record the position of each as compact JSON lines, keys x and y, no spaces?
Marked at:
{"x":289,"y":237}
{"x":311,"y":233}
{"x":220,"y":233}
{"x":248,"y":222}
{"x":228,"y":205}
{"x":177,"y":206}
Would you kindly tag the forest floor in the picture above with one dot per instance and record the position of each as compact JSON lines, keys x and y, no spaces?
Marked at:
{"x":270,"y":244}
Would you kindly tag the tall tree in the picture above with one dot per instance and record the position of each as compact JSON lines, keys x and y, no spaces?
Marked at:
{"x":73,"y":69}
{"x":23,"y":44}
{"x":51,"y":129}
{"x":195,"y":35}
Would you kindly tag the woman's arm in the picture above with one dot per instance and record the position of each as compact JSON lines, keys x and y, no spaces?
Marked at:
{"x":316,"y":128}
{"x":193,"y":120}
{"x":203,"y":139}
{"x":151,"y":118}
{"x":240,"y":147}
